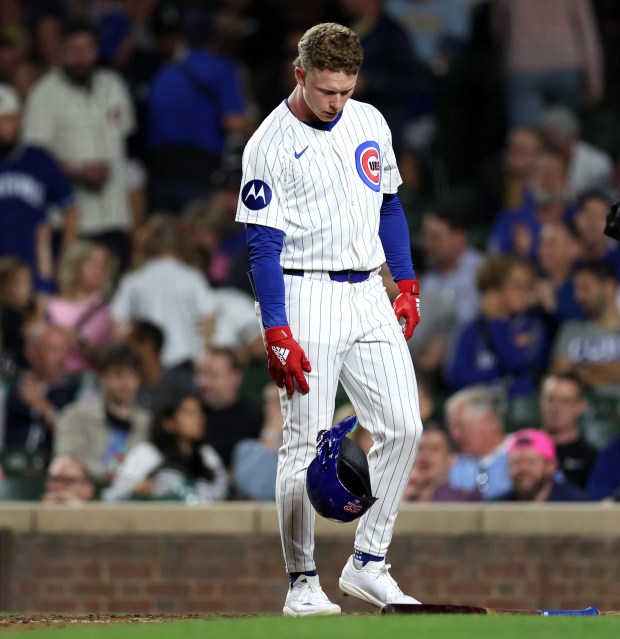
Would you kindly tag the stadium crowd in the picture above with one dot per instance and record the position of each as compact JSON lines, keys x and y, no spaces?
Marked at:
{"x":132,"y":365}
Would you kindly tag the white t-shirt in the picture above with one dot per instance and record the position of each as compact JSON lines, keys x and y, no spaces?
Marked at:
{"x":235,"y":319}
{"x":171,"y":295}
{"x":81,"y":125}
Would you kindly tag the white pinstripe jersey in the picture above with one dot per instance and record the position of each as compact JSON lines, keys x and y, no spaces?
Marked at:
{"x":324,"y":189}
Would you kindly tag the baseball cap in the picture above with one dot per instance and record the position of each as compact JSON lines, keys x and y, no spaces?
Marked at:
{"x":531,"y":439}
{"x":9,"y":100}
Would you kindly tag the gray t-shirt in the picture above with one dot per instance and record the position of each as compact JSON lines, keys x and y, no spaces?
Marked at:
{"x":583,"y":342}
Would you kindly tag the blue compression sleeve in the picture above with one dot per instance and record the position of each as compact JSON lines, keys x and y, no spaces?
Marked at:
{"x":264,"y":246}
{"x":394,"y":235}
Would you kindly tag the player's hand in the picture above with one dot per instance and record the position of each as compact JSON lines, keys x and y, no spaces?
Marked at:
{"x":286,"y":360}
{"x":407,"y":305}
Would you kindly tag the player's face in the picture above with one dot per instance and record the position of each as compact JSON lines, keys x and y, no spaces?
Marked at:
{"x":325,"y":92}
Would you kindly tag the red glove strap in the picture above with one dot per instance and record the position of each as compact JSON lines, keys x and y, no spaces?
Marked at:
{"x":277,"y":333}
{"x":407,"y":287}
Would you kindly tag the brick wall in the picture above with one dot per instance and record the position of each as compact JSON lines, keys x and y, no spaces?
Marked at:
{"x":244,"y":573}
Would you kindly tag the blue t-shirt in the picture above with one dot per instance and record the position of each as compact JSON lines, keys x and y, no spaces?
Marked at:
{"x":189,"y":98}
{"x":30,"y":182}
{"x":604,"y":480}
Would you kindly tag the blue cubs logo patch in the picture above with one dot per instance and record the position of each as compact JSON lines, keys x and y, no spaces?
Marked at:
{"x":256,"y":195}
{"x":368,"y":164}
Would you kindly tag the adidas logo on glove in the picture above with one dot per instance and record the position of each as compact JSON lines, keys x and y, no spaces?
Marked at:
{"x":281,"y":354}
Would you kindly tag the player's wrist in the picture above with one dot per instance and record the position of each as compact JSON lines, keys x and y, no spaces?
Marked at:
{"x":408,"y":287}
{"x":278,"y":333}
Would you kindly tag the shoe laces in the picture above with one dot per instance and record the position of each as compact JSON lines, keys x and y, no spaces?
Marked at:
{"x":391,"y":587}
{"x":311,"y":592}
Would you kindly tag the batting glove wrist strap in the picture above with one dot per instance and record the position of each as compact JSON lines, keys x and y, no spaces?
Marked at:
{"x":286,"y":360}
{"x":407,"y":305}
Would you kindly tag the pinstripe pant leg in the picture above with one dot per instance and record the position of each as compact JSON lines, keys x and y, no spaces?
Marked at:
{"x":314,"y":311}
{"x":379,"y":378}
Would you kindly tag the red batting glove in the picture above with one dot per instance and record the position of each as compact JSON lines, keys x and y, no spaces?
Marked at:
{"x":286,"y":360}
{"x":407,"y":305}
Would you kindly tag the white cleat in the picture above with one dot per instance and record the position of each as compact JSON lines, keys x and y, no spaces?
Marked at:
{"x":306,"y":598}
{"x":372,"y":583}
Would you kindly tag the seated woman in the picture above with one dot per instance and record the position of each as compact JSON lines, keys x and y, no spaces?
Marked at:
{"x":81,"y":306}
{"x":174,"y":464}
{"x":507,"y":344}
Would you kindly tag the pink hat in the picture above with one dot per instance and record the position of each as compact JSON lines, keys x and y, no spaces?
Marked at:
{"x":531,"y":439}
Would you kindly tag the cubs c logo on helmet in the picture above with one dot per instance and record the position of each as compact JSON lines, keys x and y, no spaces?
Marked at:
{"x":368,"y":164}
{"x":256,"y":195}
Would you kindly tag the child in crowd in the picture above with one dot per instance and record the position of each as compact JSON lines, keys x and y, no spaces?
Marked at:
{"x":174,"y":464}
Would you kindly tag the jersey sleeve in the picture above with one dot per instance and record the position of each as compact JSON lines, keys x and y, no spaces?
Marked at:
{"x":261,"y":199}
{"x":390,"y":179}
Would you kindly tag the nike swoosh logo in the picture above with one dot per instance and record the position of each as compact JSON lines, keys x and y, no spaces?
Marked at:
{"x":298,"y":155}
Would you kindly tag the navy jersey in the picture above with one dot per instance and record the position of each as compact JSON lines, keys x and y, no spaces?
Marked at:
{"x":30,"y":182}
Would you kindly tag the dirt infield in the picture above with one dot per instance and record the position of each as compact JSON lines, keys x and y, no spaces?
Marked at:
{"x":14,"y":621}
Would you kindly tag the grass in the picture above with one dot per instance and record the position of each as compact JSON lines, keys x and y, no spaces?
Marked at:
{"x":345,"y":627}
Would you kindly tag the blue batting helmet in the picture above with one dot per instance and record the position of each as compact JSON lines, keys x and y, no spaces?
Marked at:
{"x":338,"y":480}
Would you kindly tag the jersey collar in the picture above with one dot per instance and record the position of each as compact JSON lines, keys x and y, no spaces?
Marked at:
{"x":321,"y":126}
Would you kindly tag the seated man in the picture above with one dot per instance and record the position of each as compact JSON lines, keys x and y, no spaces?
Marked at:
{"x":67,"y":482}
{"x":591,"y":348}
{"x":100,"y":433}
{"x":533,"y":464}
{"x":478,"y":433}
{"x":430,"y":475}
{"x":562,"y":405}
{"x":30,"y":409}
{"x":231,"y":418}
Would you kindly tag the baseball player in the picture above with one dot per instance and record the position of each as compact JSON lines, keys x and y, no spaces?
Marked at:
{"x":319,"y":199}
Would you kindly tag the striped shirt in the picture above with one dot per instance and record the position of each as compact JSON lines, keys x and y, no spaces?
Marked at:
{"x":322,"y":188}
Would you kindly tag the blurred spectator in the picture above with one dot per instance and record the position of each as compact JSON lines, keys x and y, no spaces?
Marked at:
{"x":83,"y":114}
{"x":558,"y":252}
{"x":590,"y":218}
{"x":230,"y":417}
{"x":30,"y":183}
{"x":451,"y":263}
{"x":47,"y":40}
{"x":533,"y":464}
{"x":67,"y":482}
{"x":588,"y":166}
{"x":194,"y":104}
{"x":100,"y":433}
{"x":388,"y":75}
{"x":147,"y":340}
{"x":552,"y":54}
{"x":255,"y":461}
{"x":33,"y":401}
{"x":604,"y":481}
{"x":504,"y":183}
{"x":478,"y":434}
{"x":173,"y":464}
{"x":591,"y":348}
{"x":168,"y":292}
{"x":14,"y":66}
{"x":562,"y":406}
{"x":81,"y":306}
{"x":235,"y":323}
{"x":437,"y":29}
{"x":429,"y":479}
{"x":17,"y":307}
{"x":517,"y":231}
{"x":506,"y":345}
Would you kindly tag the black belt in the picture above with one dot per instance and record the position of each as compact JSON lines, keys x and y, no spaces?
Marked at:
{"x":337,"y":276}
